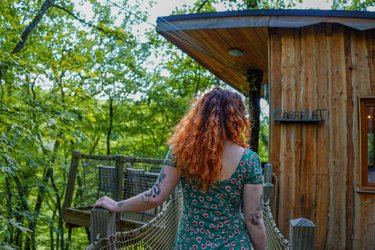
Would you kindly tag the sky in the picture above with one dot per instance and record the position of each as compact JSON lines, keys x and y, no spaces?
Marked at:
{"x":165,"y":7}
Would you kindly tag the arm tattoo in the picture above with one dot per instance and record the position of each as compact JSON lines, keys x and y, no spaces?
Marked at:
{"x":156,"y":188}
{"x":255,"y":217}
{"x":120,"y":204}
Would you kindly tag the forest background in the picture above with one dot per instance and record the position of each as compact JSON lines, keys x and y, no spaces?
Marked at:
{"x":98,"y":84}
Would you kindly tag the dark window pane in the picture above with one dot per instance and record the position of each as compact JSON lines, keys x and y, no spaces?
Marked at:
{"x":370,"y":111}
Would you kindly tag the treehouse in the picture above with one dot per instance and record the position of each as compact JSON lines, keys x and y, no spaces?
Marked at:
{"x":317,"y":68}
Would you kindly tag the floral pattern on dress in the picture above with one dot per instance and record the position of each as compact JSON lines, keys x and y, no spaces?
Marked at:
{"x":212,"y":219}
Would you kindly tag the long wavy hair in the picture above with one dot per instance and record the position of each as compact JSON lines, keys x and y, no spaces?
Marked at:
{"x":198,"y":139}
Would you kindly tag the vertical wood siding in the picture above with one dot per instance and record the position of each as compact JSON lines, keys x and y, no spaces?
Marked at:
{"x":318,"y":166}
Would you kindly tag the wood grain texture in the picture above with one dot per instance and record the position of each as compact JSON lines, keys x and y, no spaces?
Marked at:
{"x":287,"y":132}
{"x":308,"y":102}
{"x":298,"y":128}
{"x":370,"y":45}
{"x":338,"y":141}
{"x":318,"y":167}
{"x":275,"y":103}
{"x":350,"y":146}
{"x":322,"y":177}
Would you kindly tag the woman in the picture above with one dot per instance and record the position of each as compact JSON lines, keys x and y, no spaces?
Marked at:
{"x":221,"y":178}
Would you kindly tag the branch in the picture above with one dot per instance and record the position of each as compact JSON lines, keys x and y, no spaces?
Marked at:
{"x":29,"y":28}
{"x":80,"y":19}
{"x":201,"y":6}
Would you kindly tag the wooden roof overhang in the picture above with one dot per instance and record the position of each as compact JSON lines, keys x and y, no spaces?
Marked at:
{"x":207,"y":37}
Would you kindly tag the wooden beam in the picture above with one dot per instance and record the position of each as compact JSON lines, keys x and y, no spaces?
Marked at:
{"x":254,"y":78}
{"x":71,"y":179}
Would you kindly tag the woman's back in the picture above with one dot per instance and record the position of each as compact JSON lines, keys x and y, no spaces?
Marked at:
{"x":212,"y":218}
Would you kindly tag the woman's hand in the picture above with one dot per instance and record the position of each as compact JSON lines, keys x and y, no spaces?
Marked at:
{"x":107,"y":203}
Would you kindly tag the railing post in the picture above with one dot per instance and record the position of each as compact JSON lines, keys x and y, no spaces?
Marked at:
{"x":103,"y":223}
{"x":119,"y":181}
{"x":302,"y":234}
{"x":76,"y":155}
{"x":119,"y":177}
{"x":268,"y":187}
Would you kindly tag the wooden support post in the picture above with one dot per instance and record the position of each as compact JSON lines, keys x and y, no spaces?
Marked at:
{"x":119,"y":177}
{"x":268,"y":187}
{"x":302,"y":234}
{"x":103,"y":224}
{"x":268,"y":172}
{"x":119,"y":182}
{"x":254,"y":77}
{"x":71,"y":179}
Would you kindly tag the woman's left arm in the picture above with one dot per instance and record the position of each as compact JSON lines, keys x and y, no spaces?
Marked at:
{"x":155,"y":196}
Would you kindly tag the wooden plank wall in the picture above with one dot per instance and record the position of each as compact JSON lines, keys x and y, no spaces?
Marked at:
{"x":325,"y":66}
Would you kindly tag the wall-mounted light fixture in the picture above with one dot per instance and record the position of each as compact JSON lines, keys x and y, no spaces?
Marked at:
{"x":236,"y":52}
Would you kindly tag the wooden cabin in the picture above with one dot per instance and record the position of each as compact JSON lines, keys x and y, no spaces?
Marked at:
{"x":319,"y":67}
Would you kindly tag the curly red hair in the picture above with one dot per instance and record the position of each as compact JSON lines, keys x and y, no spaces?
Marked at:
{"x":198,"y":140}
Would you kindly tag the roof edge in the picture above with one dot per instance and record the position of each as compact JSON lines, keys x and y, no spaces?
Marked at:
{"x":272,"y":12}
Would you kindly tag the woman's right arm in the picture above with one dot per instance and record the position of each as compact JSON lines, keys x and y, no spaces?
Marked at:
{"x":163,"y":187}
{"x":253,"y":213}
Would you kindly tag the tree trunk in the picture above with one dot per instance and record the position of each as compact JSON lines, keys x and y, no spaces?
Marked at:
{"x":254,"y":77}
{"x":24,"y":208}
{"x":9,"y":236}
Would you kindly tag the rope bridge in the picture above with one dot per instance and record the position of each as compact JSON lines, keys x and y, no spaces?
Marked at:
{"x":160,"y":232}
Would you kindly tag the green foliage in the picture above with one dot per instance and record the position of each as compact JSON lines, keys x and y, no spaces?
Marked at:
{"x":353,"y":4}
{"x":206,"y":6}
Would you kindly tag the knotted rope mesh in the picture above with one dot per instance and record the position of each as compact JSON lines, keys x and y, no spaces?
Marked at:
{"x":274,"y":238}
{"x":159,"y":233}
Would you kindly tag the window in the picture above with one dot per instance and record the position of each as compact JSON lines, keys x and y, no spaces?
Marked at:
{"x":367,"y":147}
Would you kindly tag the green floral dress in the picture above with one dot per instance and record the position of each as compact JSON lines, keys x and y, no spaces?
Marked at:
{"x":213,"y":219}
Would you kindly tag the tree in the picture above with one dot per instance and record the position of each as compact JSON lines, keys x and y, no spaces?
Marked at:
{"x":362,"y":5}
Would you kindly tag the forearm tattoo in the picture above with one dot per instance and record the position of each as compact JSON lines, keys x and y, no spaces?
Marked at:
{"x":156,"y":188}
{"x":255,"y":217}
{"x":120,"y":204}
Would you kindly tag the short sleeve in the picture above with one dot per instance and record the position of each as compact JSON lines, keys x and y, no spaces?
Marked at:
{"x":169,"y":160}
{"x":254,"y":169}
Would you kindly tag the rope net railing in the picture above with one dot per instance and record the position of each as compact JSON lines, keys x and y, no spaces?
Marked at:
{"x":159,"y":233}
{"x":96,"y":177}
{"x":275,"y":240}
